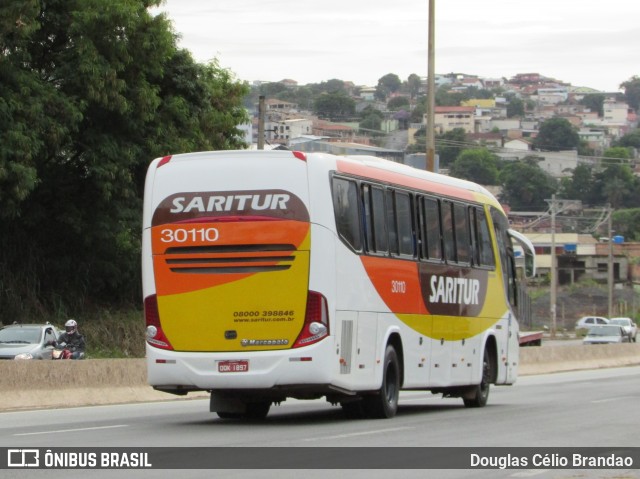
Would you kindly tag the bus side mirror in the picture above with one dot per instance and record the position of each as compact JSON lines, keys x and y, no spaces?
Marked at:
{"x":528,"y":252}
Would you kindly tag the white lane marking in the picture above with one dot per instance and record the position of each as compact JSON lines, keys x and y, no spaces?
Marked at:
{"x":613,"y":399}
{"x":355,"y":434}
{"x":70,"y":430}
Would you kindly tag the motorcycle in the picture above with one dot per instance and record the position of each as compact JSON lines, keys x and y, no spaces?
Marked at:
{"x":60,"y":351}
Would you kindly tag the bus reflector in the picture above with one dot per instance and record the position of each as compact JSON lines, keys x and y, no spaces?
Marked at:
{"x":164,"y":161}
{"x":299,"y":155}
{"x":316,"y":321}
{"x":154,"y":333}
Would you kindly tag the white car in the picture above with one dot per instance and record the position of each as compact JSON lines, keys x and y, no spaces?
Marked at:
{"x":630,"y":328}
{"x":588,"y":321}
{"x":606,"y":334}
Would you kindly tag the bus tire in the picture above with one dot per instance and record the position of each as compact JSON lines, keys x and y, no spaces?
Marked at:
{"x":353,"y":409}
{"x":479,"y":395}
{"x":384,"y":403}
{"x":257,"y":410}
{"x":229,"y":415}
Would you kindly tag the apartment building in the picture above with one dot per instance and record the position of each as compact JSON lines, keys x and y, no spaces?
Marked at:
{"x":447,"y":118}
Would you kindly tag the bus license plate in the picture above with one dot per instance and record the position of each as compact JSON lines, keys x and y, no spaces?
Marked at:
{"x":241,"y":366}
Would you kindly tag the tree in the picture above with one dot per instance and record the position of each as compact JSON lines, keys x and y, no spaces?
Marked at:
{"x":619,"y":152}
{"x":632,"y":92}
{"x":272,"y":89}
{"x":390,"y":83}
{"x":525,"y":186}
{"x":333,"y":86}
{"x":450,"y":144}
{"x":334,"y":106}
{"x":631,"y":139}
{"x":104,"y":90}
{"x":595,"y":102}
{"x":414,"y":84}
{"x":616,"y":185}
{"x":579,"y":185}
{"x":627,"y":223}
{"x":371,"y":123}
{"x":418,"y":112}
{"x":556,"y":134}
{"x":445,"y":97}
{"x":478,"y":165}
{"x":371,"y":119}
{"x":398,"y":103}
{"x":515,"y":107}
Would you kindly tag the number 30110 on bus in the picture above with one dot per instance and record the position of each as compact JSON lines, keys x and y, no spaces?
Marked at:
{"x":270,"y":275}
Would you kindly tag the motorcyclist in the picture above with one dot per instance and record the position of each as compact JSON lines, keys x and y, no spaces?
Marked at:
{"x":72,"y":340}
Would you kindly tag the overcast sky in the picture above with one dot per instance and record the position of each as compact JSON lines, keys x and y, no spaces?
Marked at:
{"x":583,"y":42}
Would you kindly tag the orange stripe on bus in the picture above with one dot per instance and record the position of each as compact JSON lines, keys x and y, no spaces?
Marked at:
{"x":403,"y":180}
{"x":397,"y":282}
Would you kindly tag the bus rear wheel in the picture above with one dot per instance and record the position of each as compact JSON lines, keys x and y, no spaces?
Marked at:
{"x":253,"y":410}
{"x":384,"y":404}
{"x":479,"y":395}
{"x":257,"y":410}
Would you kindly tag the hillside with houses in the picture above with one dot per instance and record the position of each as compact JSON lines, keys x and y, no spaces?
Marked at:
{"x":505,"y":118}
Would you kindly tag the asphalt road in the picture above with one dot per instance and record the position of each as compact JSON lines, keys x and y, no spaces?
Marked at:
{"x":577,"y":409}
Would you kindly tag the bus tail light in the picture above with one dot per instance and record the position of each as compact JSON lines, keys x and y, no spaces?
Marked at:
{"x":316,"y":321}
{"x":154,"y":333}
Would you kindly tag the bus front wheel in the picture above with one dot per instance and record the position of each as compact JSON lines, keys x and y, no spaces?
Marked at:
{"x":384,"y":404}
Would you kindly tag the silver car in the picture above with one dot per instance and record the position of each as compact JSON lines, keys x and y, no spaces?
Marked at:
{"x":27,"y":341}
{"x":606,"y":334}
{"x":630,"y":328}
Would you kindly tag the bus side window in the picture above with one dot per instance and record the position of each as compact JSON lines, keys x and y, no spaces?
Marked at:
{"x":380,"y":240}
{"x":447,"y":231}
{"x":463,"y":241}
{"x":404,"y":218}
{"x":345,"y":205}
{"x":485,"y":251}
{"x":368,"y":217}
{"x":392,"y":222}
{"x":431,"y":240}
{"x":375,"y":219}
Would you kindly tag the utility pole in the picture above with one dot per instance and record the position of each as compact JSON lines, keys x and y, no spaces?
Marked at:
{"x":261,"y":122}
{"x":610,"y":263}
{"x":554,"y":280}
{"x":431,"y":94}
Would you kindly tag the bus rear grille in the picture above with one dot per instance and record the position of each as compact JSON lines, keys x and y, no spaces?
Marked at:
{"x":230,"y":259}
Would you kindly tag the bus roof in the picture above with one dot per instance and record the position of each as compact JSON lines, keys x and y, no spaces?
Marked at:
{"x":364,"y":166}
{"x":405,"y":175}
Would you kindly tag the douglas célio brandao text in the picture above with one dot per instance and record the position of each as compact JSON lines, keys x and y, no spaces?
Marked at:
{"x":574,"y":460}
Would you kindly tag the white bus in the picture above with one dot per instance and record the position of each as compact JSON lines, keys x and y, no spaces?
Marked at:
{"x":270,"y":275}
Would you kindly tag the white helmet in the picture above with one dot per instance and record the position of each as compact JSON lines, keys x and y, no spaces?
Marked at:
{"x":71,"y":326}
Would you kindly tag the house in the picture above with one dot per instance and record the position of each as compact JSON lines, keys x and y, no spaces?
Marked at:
{"x":332,"y":130}
{"x":559,"y":164}
{"x":518,"y":144}
{"x":448,"y":118}
{"x":594,"y":137}
{"x":578,"y":257}
{"x":275,"y":105}
{"x":283,"y":131}
{"x":368,"y":93}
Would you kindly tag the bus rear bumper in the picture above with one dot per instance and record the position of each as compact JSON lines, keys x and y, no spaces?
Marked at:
{"x":181,"y":372}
